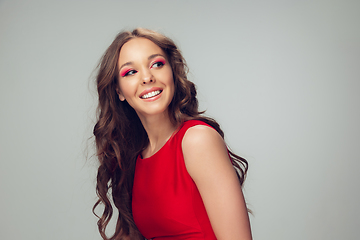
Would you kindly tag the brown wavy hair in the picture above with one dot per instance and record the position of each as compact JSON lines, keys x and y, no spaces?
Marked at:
{"x":120,"y":136}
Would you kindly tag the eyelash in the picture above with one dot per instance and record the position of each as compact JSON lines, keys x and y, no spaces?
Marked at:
{"x":162,"y":63}
{"x":132,"y":71}
{"x":129,"y":72}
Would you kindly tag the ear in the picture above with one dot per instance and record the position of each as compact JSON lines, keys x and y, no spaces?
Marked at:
{"x":121,"y":96}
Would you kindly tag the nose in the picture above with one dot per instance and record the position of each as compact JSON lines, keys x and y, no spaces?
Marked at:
{"x":147,"y":77}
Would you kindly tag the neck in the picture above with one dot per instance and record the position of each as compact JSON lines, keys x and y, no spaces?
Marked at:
{"x":159,"y":129}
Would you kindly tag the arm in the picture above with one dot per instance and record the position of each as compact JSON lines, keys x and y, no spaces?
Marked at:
{"x":207,"y":161}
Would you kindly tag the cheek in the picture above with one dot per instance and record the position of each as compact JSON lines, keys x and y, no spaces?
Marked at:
{"x":127,"y":88}
{"x":170,"y":77}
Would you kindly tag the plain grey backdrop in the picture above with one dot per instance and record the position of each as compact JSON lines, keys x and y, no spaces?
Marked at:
{"x":281,"y":77}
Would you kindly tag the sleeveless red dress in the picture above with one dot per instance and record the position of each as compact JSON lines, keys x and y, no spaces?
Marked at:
{"x":166,"y":203}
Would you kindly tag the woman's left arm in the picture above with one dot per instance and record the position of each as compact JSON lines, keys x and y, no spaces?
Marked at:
{"x":207,"y":161}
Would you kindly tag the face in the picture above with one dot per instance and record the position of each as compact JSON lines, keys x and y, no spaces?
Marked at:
{"x":145,"y":77}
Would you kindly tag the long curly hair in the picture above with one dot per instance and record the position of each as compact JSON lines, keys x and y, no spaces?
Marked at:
{"x":120,"y":136}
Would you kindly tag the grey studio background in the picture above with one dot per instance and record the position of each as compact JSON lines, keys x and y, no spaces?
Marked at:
{"x":281,"y":77}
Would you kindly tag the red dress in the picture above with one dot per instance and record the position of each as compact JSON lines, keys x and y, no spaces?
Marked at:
{"x":166,"y":203}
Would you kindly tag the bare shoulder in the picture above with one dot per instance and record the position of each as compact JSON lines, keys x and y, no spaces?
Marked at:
{"x":203,"y":145}
{"x":200,"y":135}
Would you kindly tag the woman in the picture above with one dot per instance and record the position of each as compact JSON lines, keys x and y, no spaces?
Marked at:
{"x":167,"y":168}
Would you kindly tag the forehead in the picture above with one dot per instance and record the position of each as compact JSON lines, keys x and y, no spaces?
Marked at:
{"x":137,"y":49}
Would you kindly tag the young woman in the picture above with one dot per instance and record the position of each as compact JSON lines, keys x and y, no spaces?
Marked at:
{"x":166,"y":167}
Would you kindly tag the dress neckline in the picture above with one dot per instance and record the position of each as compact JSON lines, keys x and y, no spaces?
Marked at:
{"x":166,"y":143}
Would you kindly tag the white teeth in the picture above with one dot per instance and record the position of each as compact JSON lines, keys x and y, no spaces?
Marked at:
{"x":151,"y":94}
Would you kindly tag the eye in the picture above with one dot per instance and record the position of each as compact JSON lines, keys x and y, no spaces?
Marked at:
{"x":158,"y":64}
{"x":127,"y":72}
{"x":130,"y":72}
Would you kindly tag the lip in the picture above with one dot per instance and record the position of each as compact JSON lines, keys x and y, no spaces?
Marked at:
{"x":152,"y":98}
{"x":146,"y":91}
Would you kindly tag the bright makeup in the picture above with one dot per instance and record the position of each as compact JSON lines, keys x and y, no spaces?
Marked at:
{"x":158,"y":60}
{"x":125,"y":71}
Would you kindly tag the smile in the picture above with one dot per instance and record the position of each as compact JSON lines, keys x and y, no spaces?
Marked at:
{"x":151,"y":94}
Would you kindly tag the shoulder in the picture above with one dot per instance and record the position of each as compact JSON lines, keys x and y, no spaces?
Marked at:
{"x":192,"y":123}
{"x":200,"y":135}
{"x":203,"y":147}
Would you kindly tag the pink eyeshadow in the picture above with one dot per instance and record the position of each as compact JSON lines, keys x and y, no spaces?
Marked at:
{"x":124,"y":71}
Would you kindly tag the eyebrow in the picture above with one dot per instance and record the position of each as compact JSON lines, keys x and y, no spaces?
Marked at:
{"x":155,"y":55}
{"x":149,"y":58}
